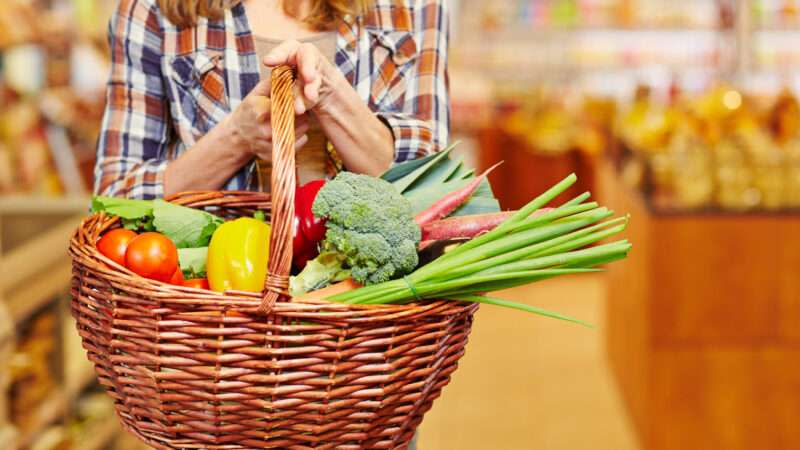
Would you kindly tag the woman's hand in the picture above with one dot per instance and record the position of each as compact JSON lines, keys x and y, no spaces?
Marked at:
{"x":243,"y":134}
{"x":316,"y":76}
{"x":249,"y":124}
{"x":364,"y":142}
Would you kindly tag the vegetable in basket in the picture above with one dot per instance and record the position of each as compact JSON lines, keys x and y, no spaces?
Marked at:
{"x":152,"y":255}
{"x":309,"y":230}
{"x":193,"y":261}
{"x":466,"y":226}
{"x":427,"y":180}
{"x":448,"y":203}
{"x":371,"y":234}
{"x":189,"y":229}
{"x":114,"y":243}
{"x":186,"y":227}
{"x":197,"y":283}
{"x":527,"y":247}
{"x":177,"y":277}
{"x":238,"y":255}
{"x":436,"y":185}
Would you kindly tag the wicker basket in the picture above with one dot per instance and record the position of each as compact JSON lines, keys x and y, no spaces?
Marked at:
{"x":189,"y":368}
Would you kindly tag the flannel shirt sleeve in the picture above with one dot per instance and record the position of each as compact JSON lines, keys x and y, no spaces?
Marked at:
{"x":422,"y":126}
{"x":134,"y":137}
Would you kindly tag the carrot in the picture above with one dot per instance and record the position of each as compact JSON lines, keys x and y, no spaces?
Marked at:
{"x":338,"y":288}
{"x":466,"y":226}
{"x":447,"y":204}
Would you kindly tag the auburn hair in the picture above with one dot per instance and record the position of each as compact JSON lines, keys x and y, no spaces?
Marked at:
{"x":322,"y":15}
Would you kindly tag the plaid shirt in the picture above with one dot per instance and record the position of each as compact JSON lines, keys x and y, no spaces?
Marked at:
{"x":169,"y":86}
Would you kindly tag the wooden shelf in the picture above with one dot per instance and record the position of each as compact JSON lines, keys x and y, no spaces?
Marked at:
{"x":27,"y":298}
{"x":27,"y":204}
{"x":37,"y":271}
{"x":698,"y":318}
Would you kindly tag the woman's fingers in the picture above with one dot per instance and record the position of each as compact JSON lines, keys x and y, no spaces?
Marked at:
{"x":263,"y":88}
{"x":284,"y":53}
{"x":308,"y":61}
{"x":261,"y":107}
{"x":299,"y":103}
{"x":263,"y":148}
{"x":301,"y":129}
{"x":301,"y":141}
{"x":300,"y":120}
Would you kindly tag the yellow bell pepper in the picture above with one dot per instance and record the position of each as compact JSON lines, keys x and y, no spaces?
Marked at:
{"x":238,"y":256}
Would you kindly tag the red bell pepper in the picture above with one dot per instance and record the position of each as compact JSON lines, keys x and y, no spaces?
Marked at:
{"x":308,"y":229}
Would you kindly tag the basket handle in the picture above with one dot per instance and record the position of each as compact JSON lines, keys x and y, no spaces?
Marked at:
{"x":283,"y":185}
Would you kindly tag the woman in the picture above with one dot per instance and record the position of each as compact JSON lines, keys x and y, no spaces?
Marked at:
{"x":188,"y":99}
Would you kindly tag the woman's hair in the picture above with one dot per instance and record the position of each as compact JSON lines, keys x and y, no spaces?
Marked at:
{"x":322,"y":14}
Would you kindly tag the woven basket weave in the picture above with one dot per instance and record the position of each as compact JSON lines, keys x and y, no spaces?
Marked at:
{"x":191,"y":369}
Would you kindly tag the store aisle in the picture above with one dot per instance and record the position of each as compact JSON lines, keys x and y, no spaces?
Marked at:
{"x":533,"y":383}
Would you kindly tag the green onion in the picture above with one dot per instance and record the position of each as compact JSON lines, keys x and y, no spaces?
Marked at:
{"x":521,"y":250}
{"x":515,"y":305}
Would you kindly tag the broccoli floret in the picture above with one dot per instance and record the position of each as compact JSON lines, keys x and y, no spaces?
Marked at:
{"x":371,"y":225}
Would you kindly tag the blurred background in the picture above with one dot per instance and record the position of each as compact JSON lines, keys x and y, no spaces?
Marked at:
{"x":682,"y":112}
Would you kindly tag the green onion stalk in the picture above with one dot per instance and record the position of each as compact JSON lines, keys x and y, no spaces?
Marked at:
{"x":522,"y":250}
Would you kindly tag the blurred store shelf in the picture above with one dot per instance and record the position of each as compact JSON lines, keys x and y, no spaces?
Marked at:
{"x":702,"y":325}
{"x":44,"y":205}
{"x":98,"y":436}
{"x":44,"y":415}
{"x":76,"y":382}
{"x":37,"y":270}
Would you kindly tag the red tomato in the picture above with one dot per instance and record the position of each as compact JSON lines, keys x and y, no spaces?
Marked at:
{"x":197,"y":283}
{"x":114,"y":243}
{"x":152,"y":255}
{"x":177,"y":277}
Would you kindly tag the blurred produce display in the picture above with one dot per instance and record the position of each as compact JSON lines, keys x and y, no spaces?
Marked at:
{"x":722,"y":149}
{"x":54,"y":67}
{"x":32,"y":374}
{"x":603,"y":45}
{"x":542,"y":133}
{"x":554,"y":120}
{"x":776,"y":13}
{"x":600,"y":13}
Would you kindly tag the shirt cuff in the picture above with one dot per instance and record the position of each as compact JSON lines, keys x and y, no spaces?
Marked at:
{"x":153,"y":179}
{"x":143,"y":181}
{"x":413,"y":138}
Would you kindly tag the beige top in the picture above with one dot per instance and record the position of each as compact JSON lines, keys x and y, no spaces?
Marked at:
{"x":313,"y":159}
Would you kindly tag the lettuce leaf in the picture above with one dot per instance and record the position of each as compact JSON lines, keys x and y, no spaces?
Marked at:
{"x":123,"y":207}
{"x":187,"y":227}
{"x":193,"y":261}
